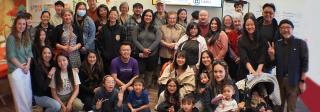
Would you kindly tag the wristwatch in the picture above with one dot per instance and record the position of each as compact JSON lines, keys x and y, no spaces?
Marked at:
{"x":302,"y":81}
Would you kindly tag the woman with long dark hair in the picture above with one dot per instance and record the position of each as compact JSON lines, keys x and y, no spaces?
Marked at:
{"x":103,"y":14}
{"x":19,"y":54}
{"x":146,"y":37}
{"x":252,"y":50}
{"x":171,"y":96}
{"x":182,"y":72}
{"x":68,"y":37}
{"x":87,"y":27}
{"x":109,"y":41}
{"x":182,"y":18}
{"x":39,"y":41}
{"x":206,"y":61}
{"x":227,"y":24}
{"x":45,"y":24}
{"x":217,"y":40}
{"x":44,"y":71}
{"x":65,"y":85}
{"x":215,"y":84}
{"x":90,"y":74}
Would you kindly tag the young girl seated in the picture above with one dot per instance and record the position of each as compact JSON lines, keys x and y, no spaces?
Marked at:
{"x":225,"y":101}
{"x":65,"y":85}
{"x":169,"y":99}
{"x":108,"y":99}
{"x":188,"y":103}
{"x":138,"y":100}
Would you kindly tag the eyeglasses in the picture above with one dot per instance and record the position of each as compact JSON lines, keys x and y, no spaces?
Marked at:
{"x":170,"y":86}
{"x":124,"y":50}
{"x":284,"y":28}
{"x":268,"y":12}
{"x":110,"y":82}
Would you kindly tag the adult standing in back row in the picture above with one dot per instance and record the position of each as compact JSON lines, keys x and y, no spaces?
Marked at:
{"x":132,"y":21}
{"x":160,"y":15}
{"x":57,"y":19}
{"x":92,"y":11}
{"x":204,"y":22}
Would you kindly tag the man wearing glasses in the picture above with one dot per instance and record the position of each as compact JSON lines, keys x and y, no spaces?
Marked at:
{"x":124,"y":69}
{"x":290,"y":55}
{"x":268,"y":28}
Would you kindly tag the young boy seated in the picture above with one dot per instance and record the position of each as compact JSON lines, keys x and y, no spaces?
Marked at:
{"x":108,"y":98}
{"x":188,"y":103}
{"x":138,"y":100}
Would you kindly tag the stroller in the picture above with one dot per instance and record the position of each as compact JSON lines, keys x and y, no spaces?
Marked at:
{"x":267,"y":87}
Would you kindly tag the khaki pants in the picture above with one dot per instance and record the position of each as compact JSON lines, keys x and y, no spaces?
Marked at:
{"x":76,"y":104}
{"x":288,"y":94}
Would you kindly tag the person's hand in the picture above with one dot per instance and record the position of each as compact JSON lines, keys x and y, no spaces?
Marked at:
{"x":172,"y":45}
{"x":258,"y":72}
{"x":262,"y":109}
{"x":123,"y":88}
{"x":271,"y":49}
{"x":99,"y":28}
{"x":269,"y":111}
{"x":64,"y":109}
{"x":120,"y":95}
{"x":134,"y":110}
{"x":252,"y":72}
{"x":171,"y":109}
{"x":144,"y":56}
{"x":69,"y":107}
{"x":237,"y":60}
{"x":98,"y":104}
{"x":130,"y":88}
{"x":95,"y":89}
{"x":51,"y":72}
{"x":83,"y":49}
{"x":241,"y":106}
{"x":65,"y":48}
{"x":26,"y":68}
{"x":302,"y":87}
{"x":146,"y":51}
{"x":201,"y":90}
{"x":76,"y":70}
{"x":222,"y":97}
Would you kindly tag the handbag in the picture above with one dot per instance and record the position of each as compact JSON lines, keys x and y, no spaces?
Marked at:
{"x":135,"y":51}
{"x":56,"y":51}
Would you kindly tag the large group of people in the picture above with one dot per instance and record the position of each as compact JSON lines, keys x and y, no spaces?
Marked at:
{"x":100,"y":59}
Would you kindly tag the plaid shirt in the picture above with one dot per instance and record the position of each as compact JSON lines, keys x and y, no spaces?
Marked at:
{"x":128,"y":25}
{"x":232,"y":55}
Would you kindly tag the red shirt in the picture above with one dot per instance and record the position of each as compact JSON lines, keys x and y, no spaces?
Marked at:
{"x":93,"y":15}
{"x":204,"y":29}
{"x":233,"y":37}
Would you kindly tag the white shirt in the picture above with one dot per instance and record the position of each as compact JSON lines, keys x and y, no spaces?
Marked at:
{"x":225,"y":106}
{"x":67,"y":88}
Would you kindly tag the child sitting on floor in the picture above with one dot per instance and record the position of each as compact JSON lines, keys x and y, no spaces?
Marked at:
{"x":138,"y":100}
{"x":225,"y":101}
{"x":188,"y":103}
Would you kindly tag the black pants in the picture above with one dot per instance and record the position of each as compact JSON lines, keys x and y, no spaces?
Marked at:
{"x":233,"y":69}
{"x":87,"y":100}
{"x":107,"y":66}
{"x":147,"y":64}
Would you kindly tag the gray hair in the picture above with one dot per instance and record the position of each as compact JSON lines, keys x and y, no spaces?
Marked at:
{"x":238,"y":16}
{"x":123,"y":3}
{"x":67,"y":10}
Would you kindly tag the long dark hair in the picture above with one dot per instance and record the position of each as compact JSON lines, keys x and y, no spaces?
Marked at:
{"x":214,"y":34}
{"x":81,"y":25}
{"x":25,"y":34}
{"x":217,"y":87}
{"x":37,"y":41}
{"x":98,"y":11}
{"x":40,"y":61}
{"x":175,"y":96}
{"x":190,"y":26}
{"x":183,"y":54}
{"x":202,"y":66}
{"x":223,"y":27}
{"x":142,"y":25}
{"x":98,"y":66}
{"x":179,"y":11}
{"x":246,"y":37}
{"x":57,"y":76}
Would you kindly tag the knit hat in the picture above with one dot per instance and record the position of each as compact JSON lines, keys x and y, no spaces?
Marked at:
{"x":195,"y":14}
{"x":286,"y":21}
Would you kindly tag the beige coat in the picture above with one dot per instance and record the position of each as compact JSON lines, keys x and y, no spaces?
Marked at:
{"x":187,"y":79}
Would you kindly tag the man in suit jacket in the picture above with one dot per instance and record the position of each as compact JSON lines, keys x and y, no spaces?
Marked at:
{"x":290,"y":55}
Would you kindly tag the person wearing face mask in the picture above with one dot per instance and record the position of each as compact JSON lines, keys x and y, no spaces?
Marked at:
{"x":45,"y":24}
{"x":290,"y":55}
{"x":91,"y":74}
{"x":86,"y":26}
{"x":110,"y":37}
{"x":57,"y":19}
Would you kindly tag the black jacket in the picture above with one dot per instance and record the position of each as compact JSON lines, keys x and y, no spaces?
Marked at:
{"x":195,"y":109}
{"x":49,"y":32}
{"x":275,"y":31}
{"x":109,"y":40}
{"x":209,"y":95}
{"x":41,"y":82}
{"x":58,"y":31}
{"x":87,"y":86}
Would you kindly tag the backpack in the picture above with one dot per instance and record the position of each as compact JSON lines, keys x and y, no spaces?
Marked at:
{"x":169,"y":63}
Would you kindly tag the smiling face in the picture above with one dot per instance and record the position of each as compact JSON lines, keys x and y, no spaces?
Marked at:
{"x":268,"y":14}
{"x":204,"y":78}
{"x":172,"y":87}
{"x":239,"y":8}
{"x":214,"y":26}
{"x":137,"y":87}
{"x":137,"y":10}
{"x":219,"y":73}
{"x":227,"y":21}
{"x":286,"y":30}
{"x":21,"y":25}
{"x":92,"y":4}
{"x":250,"y":26}
{"x":62,"y":62}
{"x":188,"y":106}
{"x":113,"y":16}
{"x":124,"y":9}
{"x":125,"y":51}
{"x":29,"y":21}
{"x":206,"y":60}
{"x":228,"y":92}
{"x":109,"y":84}
{"x":58,"y":8}
{"x":103,"y":12}
{"x":45,"y":18}
{"x":172,"y":19}
{"x":193,"y":31}
{"x":203,"y":16}
{"x":238,"y":23}
{"x":148,"y":17}
{"x":42,"y":36}
{"x":181,"y":60}
{"x":46,"y":55}
{"x":92,"y":59}
{"x":183,"y":15}
{"x":67,"y":17}
{"x":160,"y":7}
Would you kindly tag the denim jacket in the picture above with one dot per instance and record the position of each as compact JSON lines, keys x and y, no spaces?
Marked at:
{"x":89,"y":33}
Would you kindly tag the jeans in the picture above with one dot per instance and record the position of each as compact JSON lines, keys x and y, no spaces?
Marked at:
{"x":127,"y":109}
{"x":51,"y":104}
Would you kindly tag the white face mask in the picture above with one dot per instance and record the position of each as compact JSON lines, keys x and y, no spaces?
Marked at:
{"x":81,"y":13}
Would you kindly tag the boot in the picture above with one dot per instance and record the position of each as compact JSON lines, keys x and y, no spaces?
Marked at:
{"x":148,"y":79}
{"x":141,"y":76}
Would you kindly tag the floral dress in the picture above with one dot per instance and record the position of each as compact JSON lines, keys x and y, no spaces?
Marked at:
{"x":74,"y":55}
